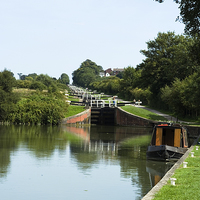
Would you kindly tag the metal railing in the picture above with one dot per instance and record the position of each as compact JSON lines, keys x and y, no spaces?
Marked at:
{"x":103,"y":103}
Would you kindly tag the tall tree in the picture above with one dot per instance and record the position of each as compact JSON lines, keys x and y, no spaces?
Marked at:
{"x":183,"y":96}
{"x":129,"y":82}
{"x":7,"y":98}
{"x":64,"y":79}
{"x":7,"y":80}
{"x":195,"y":51}
{"x":19,"y":74}
{"x":86,"y":73}
{"x":189,"y":15}
{"x":48,"y":81}
{"x":33,"y":75}
{"x":167,"y":58}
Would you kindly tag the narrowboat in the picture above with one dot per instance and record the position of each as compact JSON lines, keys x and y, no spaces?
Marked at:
{"x":168,"y":143}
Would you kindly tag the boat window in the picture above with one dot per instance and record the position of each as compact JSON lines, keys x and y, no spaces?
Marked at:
{"x":168,"y":137}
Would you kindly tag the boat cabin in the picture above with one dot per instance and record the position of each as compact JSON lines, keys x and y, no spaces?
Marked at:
{"x":169,"y":135}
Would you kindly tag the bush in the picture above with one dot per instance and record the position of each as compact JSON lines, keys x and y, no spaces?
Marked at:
{"x":23,"y":83}
{"x":39,"y":108}
{"x":37,"y":86}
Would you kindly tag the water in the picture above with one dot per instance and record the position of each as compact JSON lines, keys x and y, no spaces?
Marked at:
{"x":44,"y":162}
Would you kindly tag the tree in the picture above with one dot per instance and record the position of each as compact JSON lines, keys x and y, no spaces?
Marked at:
{"x":167,"y":58}
{"x":129,"y":82}
{"x":173,"y":95}
{"x":120,"y":75}
{"x":33,"y":76}
{"x":86,"y":73}
{"x":23,"y":83}
{"x":37,"y":85}
{"x":7,"y":80}
{"x":64,"y":79}
{"x":183,"y":96}
{"x":23,"y":77}
{"x":48,"y":81}
{"x":7,"y":98}
{"x":108,"y":85}
{"x":19,"y":74}
{"x":189,"y":15}
{"x":195,"y":51}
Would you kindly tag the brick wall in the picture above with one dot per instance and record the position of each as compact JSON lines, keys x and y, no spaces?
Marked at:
{"x":124,"y":118}
{"x":81,"y":118}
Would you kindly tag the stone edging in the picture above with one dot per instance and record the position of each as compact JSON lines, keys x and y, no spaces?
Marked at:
{"x":164,"y":180}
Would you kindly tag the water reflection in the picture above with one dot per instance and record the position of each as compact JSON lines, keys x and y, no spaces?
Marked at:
{"x":93,"y":155}
{"x":157,"y":170}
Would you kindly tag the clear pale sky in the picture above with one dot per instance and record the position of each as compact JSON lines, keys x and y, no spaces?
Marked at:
{"x":55,"y":36}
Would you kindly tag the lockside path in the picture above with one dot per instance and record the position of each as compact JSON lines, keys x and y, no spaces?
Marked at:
{"x":168,"y":117}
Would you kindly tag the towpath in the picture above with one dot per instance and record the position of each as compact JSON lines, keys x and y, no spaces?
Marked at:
{"x":168,"y":117}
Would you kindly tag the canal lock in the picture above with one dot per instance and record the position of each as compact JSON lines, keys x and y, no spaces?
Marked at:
{"x":103,"y":116}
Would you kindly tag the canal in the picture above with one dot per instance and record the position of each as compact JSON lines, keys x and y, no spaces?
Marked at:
{"x":90,"y":163}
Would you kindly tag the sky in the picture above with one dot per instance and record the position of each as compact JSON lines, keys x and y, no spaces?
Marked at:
{"x":55,"y":36}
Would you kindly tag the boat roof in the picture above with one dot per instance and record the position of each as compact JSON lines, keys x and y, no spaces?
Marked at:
{"x":170,"y":125}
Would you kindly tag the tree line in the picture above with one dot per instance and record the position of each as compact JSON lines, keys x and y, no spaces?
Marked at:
{"x":34,"y":99}
{"x":42,"y":82}
{"x":168,"y":77}
{"x":189,"y":15}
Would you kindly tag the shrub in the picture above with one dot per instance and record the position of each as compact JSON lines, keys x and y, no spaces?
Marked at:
{"x":37,"y":86}
{"x":39,"y":108}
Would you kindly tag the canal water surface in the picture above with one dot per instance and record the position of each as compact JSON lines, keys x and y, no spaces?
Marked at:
{"x":48,"y":163}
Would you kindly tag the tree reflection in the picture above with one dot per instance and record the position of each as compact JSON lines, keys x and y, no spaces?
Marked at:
{"x":88,"y":147}
{"x":8,"y":144}
{"x":40,"y":141}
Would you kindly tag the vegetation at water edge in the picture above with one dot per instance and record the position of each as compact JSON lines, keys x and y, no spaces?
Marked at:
{"x":45,"y":104}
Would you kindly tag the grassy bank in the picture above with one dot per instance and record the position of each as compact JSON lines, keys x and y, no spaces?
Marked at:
{"x":74,"y":110}
{"x":143,"y":113}
{"x":187,"y":183}
{"x":72,"y":98}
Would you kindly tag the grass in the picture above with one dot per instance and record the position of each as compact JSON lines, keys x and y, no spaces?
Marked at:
{"x":72,"y":98}
{"x":143,"y":113}
{"x":74,"y":110}
{"x":187,"y":183}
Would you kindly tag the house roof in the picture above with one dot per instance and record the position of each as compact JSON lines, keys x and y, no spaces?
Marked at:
{"x":118,"y":69}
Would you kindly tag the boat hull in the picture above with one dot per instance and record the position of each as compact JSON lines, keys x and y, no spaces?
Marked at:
{"x":165,"y":153}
